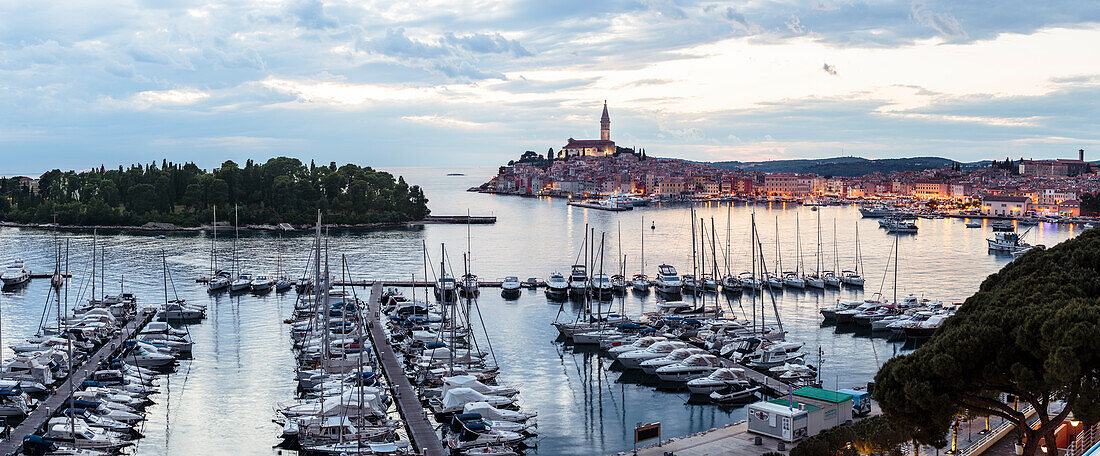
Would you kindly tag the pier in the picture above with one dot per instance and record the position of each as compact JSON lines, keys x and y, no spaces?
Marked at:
{"x":423,"y":436}
{"x":56,"y":401}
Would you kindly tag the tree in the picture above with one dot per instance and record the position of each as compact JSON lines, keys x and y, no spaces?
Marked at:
{"x":1031,"y":331}
{"x":875,"y":435}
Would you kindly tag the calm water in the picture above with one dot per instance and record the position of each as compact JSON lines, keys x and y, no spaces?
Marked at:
{"x":221,"y":402}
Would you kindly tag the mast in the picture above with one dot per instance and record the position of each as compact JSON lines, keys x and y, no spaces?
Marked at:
{"x":237,"y":236}
{"x":778,"y":256}
{"x":752,"y":247}
{"x":836,"y":255}
{"x":819,"y":242}
{"x":897,"y":240}
{"x":214,"y":245}
{"x":694,"y":269}
{"x":93,"y":264}
{"x":642,"y":231}
{"x":69,"y":343}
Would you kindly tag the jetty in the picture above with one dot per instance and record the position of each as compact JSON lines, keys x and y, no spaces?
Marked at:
{"x":56,"y":401}
{"x":420,"y":430}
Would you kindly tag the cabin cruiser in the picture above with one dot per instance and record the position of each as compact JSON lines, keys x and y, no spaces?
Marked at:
{"x":15,"y":274}
{"x":731,"y":284}
{"x":650,"y":366}
{"x":847,"y":316}
{"x":877,"y":210}
{"x":471,"y":382}
{"x":600,"y":286}
{"x":640,"y":343}
{"x":794,"y":373}
{"x":556,"y":286}
{"x":925,"y":329}
{"x":243,"y":282}
{"x":262,"y":284}
{"x":77,"y":433}
{"x":829,"y":313}
{"x":974,"y":224}
{"x":220,"y":281}
{"x":140,"y":355}
{"x":734,"y":394}
{"x":793,"y":280}
{"x":830,"y":279}
{"x":640,"y":282}
{"x":718,"y":379}
{"x":578,"y":280}
{"x":475,"y":434}
{"x":179,"y":311}
{"x":773,"y":355}
{"x":868,"y":317}
{"x":900,"y":226}
{"x":851,"y":278}
{"x":1007,"y":242}
{"x":489,"y":412}
{"x":688,"y":282}
{"x":455,"y":399}
{"x":445,"y":288}
{"x":510,"y":286}
{"x":14,"y":403}
{"x":667,"y":281}
{"x":634,"y":359}
{"x":695,"y":366}
{"x":469,"y":286}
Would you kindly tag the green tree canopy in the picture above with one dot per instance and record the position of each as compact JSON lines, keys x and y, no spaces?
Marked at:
{"x":281,"y":190}
{"x":1031,"y":331}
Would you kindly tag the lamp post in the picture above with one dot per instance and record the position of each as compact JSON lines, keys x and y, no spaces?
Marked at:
{"x":954,"y":437}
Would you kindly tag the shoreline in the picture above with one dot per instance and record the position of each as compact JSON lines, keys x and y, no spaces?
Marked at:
{"x":154,"y":227}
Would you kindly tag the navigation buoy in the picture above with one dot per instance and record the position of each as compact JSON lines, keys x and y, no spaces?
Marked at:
{"x":653,"y":225}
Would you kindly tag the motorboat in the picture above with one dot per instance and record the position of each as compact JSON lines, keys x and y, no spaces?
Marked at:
{"x":510,"y":287}
{"x":283,"y":284}
{"x":793,"y":280}
{"x":640,"y":343}
{"x":718,"y":379}
{"x":15,"y":274}
{"x":469,"y":286}
{"x":618,"y":284}
{"x":262,"y":284}
{"x":640,"y":282}
{"x":667,"y":281}
{"x":874,"y":211}
{"x":673,"y":307}
{"x":830,"y":279}
{"x":177,"y":310}
{"x":974,"y":224}
{"x":490,"y":412}
{"x":688,"y":282}
{"x":900,"y":226}
{"x":866,"y":318}
{"x":600,"y":286}
{"x":773,"y":355}
{"x":556,"y":286}
{"x":455,"y":399}
{"x":303,"y":284}
{"x":477,"y":434}
{"x":731,"y":284}
{"x":578,"y":280}
{"x":851,"y":278}
{"x":241,"y":283}
{"x":695,"y":366}
{"x":14,"y":402}
{"x":675,"y":357}
{"x":510,"y":426}
{"x":361,"y":447}
{"x":634,"y":359}
{"x":1002,"y":225}
{"x":795,"y":373}
{"x":847,"y":316}
{"x":1007,"y":242}
{"x":925,"y":329}
{"x":77,"y":433}
{"x":141,"y":356}
{"x":219,"y":281}
{"x":734,"y":394}
{"x":471,"y":382}
{"x":829,"y":313}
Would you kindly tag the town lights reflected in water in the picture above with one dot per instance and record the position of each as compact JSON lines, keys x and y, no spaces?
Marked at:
{"x":221,"y":402}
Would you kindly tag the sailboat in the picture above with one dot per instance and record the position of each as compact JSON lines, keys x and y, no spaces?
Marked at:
{"x":219,"y":280}
{"x":281,"y":282}
{"x":730,"y":283}
{"x":816,"y":280}
{"x":243,"y":281}
{"x":771,"y":279}
{"x":793,"y":278}
{"x":640,"y":281}
{"x":829,"y":276}
{"x":853,"y":277}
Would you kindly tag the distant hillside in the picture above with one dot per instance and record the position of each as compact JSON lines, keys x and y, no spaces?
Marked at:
{"x":840,"y":166}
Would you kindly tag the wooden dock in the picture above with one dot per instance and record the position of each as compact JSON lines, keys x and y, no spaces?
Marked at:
{"x":48,"y":407}
{"x":773,"y":386}
{"x":423,"y":436}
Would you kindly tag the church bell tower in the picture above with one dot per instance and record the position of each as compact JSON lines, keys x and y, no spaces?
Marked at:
{"x":605,"y":124}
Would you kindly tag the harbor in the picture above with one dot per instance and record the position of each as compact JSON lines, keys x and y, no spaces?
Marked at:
{"x":585,"y":402}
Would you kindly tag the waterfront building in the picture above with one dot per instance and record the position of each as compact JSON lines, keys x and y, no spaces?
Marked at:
{"x":1000,"y":205}
{"x":592,"y":147}
{"x":781,"y":184}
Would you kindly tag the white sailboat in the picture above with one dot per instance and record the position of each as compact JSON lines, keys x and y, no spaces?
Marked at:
{"x":853,"y":277}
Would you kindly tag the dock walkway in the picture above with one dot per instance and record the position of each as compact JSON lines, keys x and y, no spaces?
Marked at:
{"x":420,"y":430}
{"x":776,"y":387}
{"x":41,"y":414}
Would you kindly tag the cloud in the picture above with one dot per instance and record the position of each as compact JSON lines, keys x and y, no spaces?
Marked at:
{"x":830,"y":69}
{"x":485,"y":43}
{"x":738,"y":19}
{"x":445,"y":121}
{"x":311,"y":14}
{"x":174,"y":97}
{"x":944,"y":23}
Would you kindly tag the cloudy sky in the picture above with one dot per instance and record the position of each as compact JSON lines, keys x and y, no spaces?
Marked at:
{"x":475,"y":82}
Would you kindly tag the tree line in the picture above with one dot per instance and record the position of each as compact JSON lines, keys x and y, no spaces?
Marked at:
{"x":281,"y":190}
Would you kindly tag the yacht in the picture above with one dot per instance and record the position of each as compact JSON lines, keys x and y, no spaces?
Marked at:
{"x":815,"y":281}
{"x":556,"y":286}
{"x":688,"y":282}
{"x":830,"y":279}
{"x":510,"y":287}
{"x":793,"y":280}
{"x":650,"y":366}
{"x":847,"y":316}
{"x":773,"y":281}
{"x":469,"y":286}
{"x":446,"y":288}
{"x":877,"y":210}
{"x":634,"y":359}
{"x":925,"y":329}
{"x":900,"y":226}
{"x":600,"y":286}
{"x":851,"y":278}
{"x":829,"y":313}
{"x":243,"y":282}
{"x":578,"y":280}
{"x":15,"y":274}
{"x":220,"y":281}
{"x":668,"y":282}
{"x":735,"y":394}
{"x":974,"y":224}
{"x":695,"y":366}
{"x":773,"y":355}
{"x":641,"y":343}
{"x":1002,"y":225}
{"x":720,"y":378}
{"x":84,"y":436}
{"x":618,"y":284}
{"x":1007,"y":242}
{"x":640,"y":282}
{"x":14,"y":403}
{"x":262,"y":284}
{"x":749,"y":281}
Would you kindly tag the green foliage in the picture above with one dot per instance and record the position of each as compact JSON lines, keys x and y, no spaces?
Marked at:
{"x":1090,"y":204}
{"x":873,"y":435}
{"x":1032,"y":331}
{"x":281,"y":190}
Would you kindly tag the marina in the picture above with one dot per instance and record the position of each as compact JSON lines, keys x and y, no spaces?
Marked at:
{"x":585,"y":402}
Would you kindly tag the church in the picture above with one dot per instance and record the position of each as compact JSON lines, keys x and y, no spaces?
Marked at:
{"x":592,"y":147}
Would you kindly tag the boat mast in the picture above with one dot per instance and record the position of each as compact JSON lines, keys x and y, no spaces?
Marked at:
{"x":694,"y":269}
{"x":237,"y":236}
{"x":819,"y":243}
{"x":778,"y":256}
{"x":69,"y":342}
{"x":214,"y":245}
{"x":752,"y":248}
{"x":642,"y":232}
{"x":93,"y":264}
{"x":897,"y":240}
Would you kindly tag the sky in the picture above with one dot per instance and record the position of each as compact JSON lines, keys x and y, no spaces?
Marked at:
{"x":477,"y":82}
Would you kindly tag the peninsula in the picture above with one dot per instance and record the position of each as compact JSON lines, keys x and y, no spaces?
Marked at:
{"x":282,"y":190}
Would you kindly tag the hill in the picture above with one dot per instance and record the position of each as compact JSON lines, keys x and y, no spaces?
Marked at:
{"x":840,"y":166}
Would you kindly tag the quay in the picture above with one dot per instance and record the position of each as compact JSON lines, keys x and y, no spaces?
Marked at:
{"x":47,"y":275}
{"x":56,"y":401}
{"x":423,"y":436}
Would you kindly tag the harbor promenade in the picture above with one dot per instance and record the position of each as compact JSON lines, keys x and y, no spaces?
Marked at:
{"x":420,"y":430}
{"x":41,"y":414}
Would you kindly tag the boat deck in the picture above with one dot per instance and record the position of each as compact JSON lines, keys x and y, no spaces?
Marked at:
{"x":41,"y":414}
{"x":420,"y":429}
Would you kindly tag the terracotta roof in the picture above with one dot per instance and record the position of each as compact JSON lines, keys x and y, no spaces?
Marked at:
{"x":587,"y":143}
{"x":1006,"y":199}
